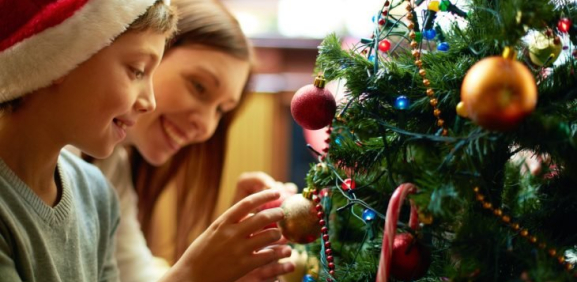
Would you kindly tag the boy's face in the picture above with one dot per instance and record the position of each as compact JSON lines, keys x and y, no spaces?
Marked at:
{"x":105,"y":95}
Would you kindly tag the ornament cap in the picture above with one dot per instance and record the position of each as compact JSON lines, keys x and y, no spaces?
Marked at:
{"x":320,"y":81}
{"x":509,"y":53}
{"x":308,"y":193}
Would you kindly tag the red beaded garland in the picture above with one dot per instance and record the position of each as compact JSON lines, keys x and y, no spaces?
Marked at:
{"x":324,"y":230}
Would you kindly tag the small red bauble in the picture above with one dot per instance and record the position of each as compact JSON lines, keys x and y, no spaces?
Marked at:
{"x":313,"y":107}
{"x":564,"y":25}
{"x":410,"y":260}
{"x":384,"y":45}
{"x":348,"y":184}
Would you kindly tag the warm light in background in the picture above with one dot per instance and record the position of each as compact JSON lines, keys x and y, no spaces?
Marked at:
{"x":318,"y":18}
{"x":305,"y":18}
{"x":309,"y":18}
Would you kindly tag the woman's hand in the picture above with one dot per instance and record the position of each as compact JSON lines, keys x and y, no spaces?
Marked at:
{"x":252,"y":182}
{"x":234,"y":245}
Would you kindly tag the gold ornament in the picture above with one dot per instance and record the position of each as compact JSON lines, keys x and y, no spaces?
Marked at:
{"x":299,"y":259}
{"x":544,"y":49}
{"x":434,"y":6}
{"x":300,"y":224}
{"x":461,"y":109}
{"x":498,"y":93}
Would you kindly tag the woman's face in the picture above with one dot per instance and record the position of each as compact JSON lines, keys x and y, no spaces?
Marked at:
{"x":194,"y":87}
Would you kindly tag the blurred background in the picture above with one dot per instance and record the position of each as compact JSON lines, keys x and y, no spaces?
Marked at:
{"x":285,"y":34}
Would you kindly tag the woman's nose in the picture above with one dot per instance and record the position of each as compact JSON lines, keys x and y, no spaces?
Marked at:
{"x":205,"y":124}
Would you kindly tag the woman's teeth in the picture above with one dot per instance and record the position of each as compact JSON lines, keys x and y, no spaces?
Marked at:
{"x":173,"y":134}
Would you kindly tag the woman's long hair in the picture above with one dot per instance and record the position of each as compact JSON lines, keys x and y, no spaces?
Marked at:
{"x":199,"y":166}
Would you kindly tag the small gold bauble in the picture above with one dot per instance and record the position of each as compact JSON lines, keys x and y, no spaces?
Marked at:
{"x":461,"y":109}
{"x":299,"y":259}
{"x":300,"y":224}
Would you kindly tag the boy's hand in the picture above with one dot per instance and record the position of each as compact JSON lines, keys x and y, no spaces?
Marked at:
{"x":271,"y":271}
{"x":234,"y":244}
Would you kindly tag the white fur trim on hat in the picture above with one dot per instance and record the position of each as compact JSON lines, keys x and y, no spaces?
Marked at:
{"x":40,"y":59}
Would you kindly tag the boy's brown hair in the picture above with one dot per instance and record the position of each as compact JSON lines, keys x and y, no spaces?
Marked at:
{"x":159,"y":18}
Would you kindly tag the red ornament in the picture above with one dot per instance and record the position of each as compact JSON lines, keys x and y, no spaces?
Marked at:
{"x":401,"y":256}
{"x":312,"y":106}
{"x":348,"y":184}
{"x":410,"y":260}
{"x":384,"y":45}
{"x":564,"y":25}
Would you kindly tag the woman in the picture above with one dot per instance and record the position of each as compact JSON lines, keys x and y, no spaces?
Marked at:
{"x":199,"y":86}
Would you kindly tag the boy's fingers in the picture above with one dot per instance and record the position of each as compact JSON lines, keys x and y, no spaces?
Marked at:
{"x":270,"y":271}
{"x":263,"y":239}
{"x":241,"y":209}
{"x":260,"y":220}
{"x":269,"y":255}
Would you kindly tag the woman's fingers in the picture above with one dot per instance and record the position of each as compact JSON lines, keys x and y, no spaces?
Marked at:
{"x":291,"y":187}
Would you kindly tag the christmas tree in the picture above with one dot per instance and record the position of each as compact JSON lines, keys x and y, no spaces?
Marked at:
{"x":453,"y":156}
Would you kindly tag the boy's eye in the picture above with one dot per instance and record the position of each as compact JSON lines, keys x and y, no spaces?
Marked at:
{"x":138,"y":74}
{"x":199,"y":87}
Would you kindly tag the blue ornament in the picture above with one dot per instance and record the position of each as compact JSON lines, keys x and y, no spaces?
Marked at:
{"x":339,"y":140}
{"x":369,"y":215}
{"x":443,"y":46}
{"x":429,"y":34}
{"x":402,"y":103}
{"x":372,"y":58}
{"x":309,"y":278}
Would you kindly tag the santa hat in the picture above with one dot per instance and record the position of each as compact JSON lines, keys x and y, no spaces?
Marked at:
{"x":43,"y":40}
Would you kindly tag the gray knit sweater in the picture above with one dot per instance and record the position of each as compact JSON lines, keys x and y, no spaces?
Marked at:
{"x":73,"y":241}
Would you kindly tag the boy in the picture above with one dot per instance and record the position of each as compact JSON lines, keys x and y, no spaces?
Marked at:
{"x":61,"y":84}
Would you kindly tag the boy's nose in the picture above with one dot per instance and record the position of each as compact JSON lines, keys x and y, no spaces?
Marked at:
{"x":146,"y":102}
